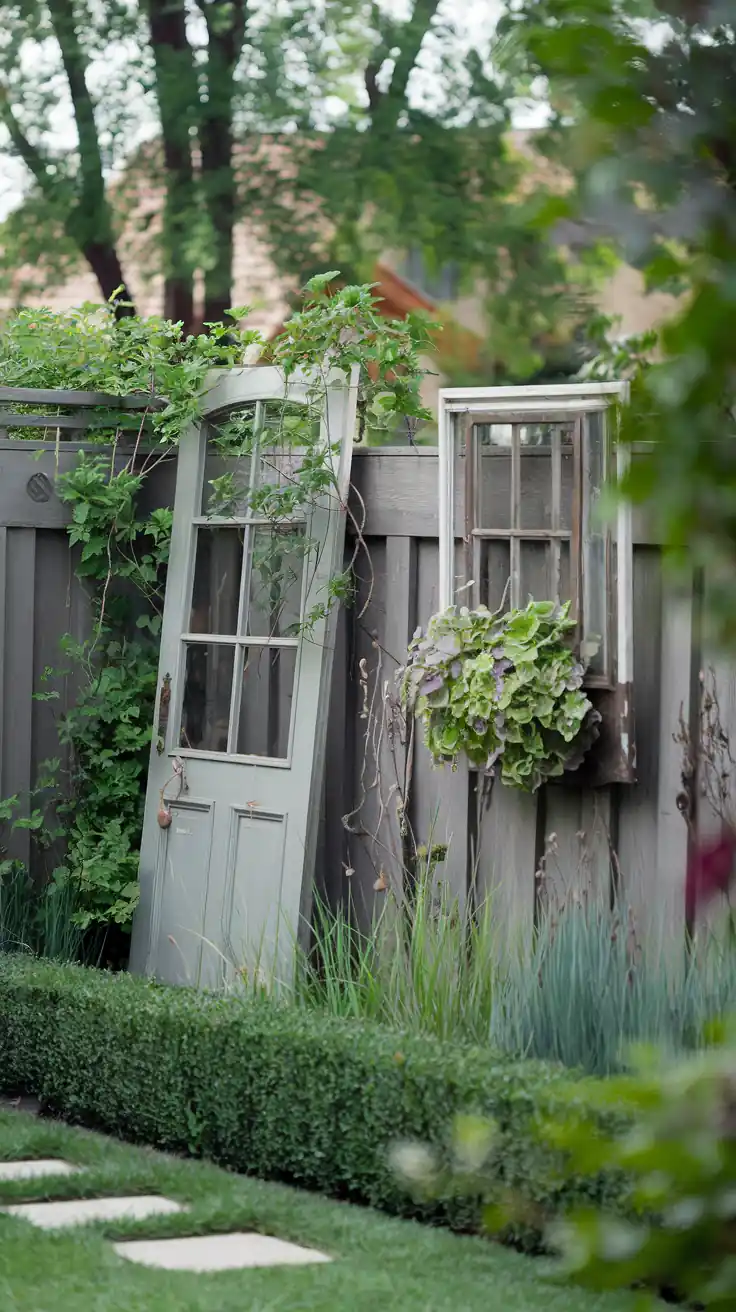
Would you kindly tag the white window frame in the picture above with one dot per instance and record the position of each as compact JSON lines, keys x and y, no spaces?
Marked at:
{"x":575,"y":399}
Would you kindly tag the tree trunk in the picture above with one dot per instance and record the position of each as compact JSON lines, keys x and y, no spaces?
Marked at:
{"x":105,"y":265}
{"x":226,"y":32}
{"x":178,"y":101}
{"x":219,"y":187}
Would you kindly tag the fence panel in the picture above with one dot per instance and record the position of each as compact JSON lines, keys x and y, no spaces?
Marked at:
{"x":494,"y":839}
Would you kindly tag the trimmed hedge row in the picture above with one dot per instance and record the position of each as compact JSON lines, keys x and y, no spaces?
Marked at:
{"x":271,"y":1090}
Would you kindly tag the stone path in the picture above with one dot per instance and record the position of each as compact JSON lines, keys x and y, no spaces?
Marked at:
{"x":197,"y":1253}
{"x":217,"y":1252}
{"x":36,"y":1169}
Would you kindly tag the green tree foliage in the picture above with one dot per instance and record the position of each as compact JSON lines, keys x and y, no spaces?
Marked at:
{"x":403,"y":141}
{"x":644,"y":98}
{"x":340,"y":130}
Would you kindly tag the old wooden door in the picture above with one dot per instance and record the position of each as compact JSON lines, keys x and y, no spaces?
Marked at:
{"x":241,"y":713}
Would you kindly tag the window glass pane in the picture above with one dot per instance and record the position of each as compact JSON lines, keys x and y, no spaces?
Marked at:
{"x":567,"y":490}
{"x":495,"y":574}
{"x":265,"y":703}
{"x":535,"y":474}
{"x":208,"y":679}
{"x":565,"y":578}
{"x":534,"y":571}
{"x":494,"y":445}
{"x":594,"y":555}
{"x":218,"y":564}
{"x":275,"y":586}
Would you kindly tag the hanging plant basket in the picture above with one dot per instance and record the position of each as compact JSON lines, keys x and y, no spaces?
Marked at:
{"x":504,"y":690}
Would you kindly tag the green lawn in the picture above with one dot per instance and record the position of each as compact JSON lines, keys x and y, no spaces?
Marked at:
{"x":379,"y":1262}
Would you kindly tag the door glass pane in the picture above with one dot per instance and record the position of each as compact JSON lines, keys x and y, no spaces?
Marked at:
{"x":226,"y":485}
{"x":275,"y":586}
{"x":208,"y":680}
{"x":228,"y":463}
{"x":218,"y":564}
{"x":288,"y":431}
{"x":265,"y":703}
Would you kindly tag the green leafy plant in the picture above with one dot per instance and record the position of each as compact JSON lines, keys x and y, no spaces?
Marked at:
{"x":666,"y":1132}
{"x":504,"y":689}
{"x":580,"y":989}
{"x":109,"y":733}
{"x":345,"y":328}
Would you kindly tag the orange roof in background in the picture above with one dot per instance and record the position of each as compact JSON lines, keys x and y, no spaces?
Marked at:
{"x":399,"y":298}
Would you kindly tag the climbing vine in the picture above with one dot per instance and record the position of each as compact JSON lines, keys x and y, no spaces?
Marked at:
{"x":122,"y":550}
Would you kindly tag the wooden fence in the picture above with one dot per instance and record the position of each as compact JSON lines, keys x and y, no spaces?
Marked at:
{"x":495,"y":839}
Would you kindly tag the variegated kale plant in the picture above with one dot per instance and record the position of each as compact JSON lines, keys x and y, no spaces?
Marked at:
{"x":504,"y":689}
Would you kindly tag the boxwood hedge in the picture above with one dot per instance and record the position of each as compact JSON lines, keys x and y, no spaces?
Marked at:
{"x":272,"y":1090}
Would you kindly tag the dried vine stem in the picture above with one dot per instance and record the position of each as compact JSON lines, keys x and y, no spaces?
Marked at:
{"x":380,"y":820}
{"x":707,"y":765}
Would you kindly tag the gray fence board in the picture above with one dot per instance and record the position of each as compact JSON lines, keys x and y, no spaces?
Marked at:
{"x":439,"y":797}
{"x":17,"y":773}
{"x":56,"y":396}
{"x":507,"y":855}
{"x":3,"y":631}
{"x":638,"y":805}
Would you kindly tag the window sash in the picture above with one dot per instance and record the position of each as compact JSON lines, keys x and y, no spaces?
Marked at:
{"x":581,"y":534}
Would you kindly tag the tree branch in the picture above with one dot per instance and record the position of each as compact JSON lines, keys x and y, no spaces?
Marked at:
{"x":99,"y":251}
{"x":371,"y":86}
{"x":32,"y":157}
{"x":413,"y":33}
{"x":89,"y":221}
{"x":386,"y":107}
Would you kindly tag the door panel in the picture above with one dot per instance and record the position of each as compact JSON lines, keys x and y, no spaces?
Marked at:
{"x":250,"y":921}
{"x":182,"y":879}
{"x":243,"y":694}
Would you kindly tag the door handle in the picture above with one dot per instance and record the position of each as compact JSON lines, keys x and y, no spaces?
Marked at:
{"x":163,"y":714}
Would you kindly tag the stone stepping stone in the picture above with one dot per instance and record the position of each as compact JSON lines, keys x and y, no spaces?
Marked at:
{"x":82,"y":1211}
{"x":36,"y":1169}
{"x":217,"y":1252}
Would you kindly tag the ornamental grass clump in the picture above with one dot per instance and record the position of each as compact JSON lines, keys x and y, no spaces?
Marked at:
{"x":504,"y":689}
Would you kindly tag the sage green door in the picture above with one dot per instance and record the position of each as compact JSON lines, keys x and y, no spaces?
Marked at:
{"x":235,"y":778}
